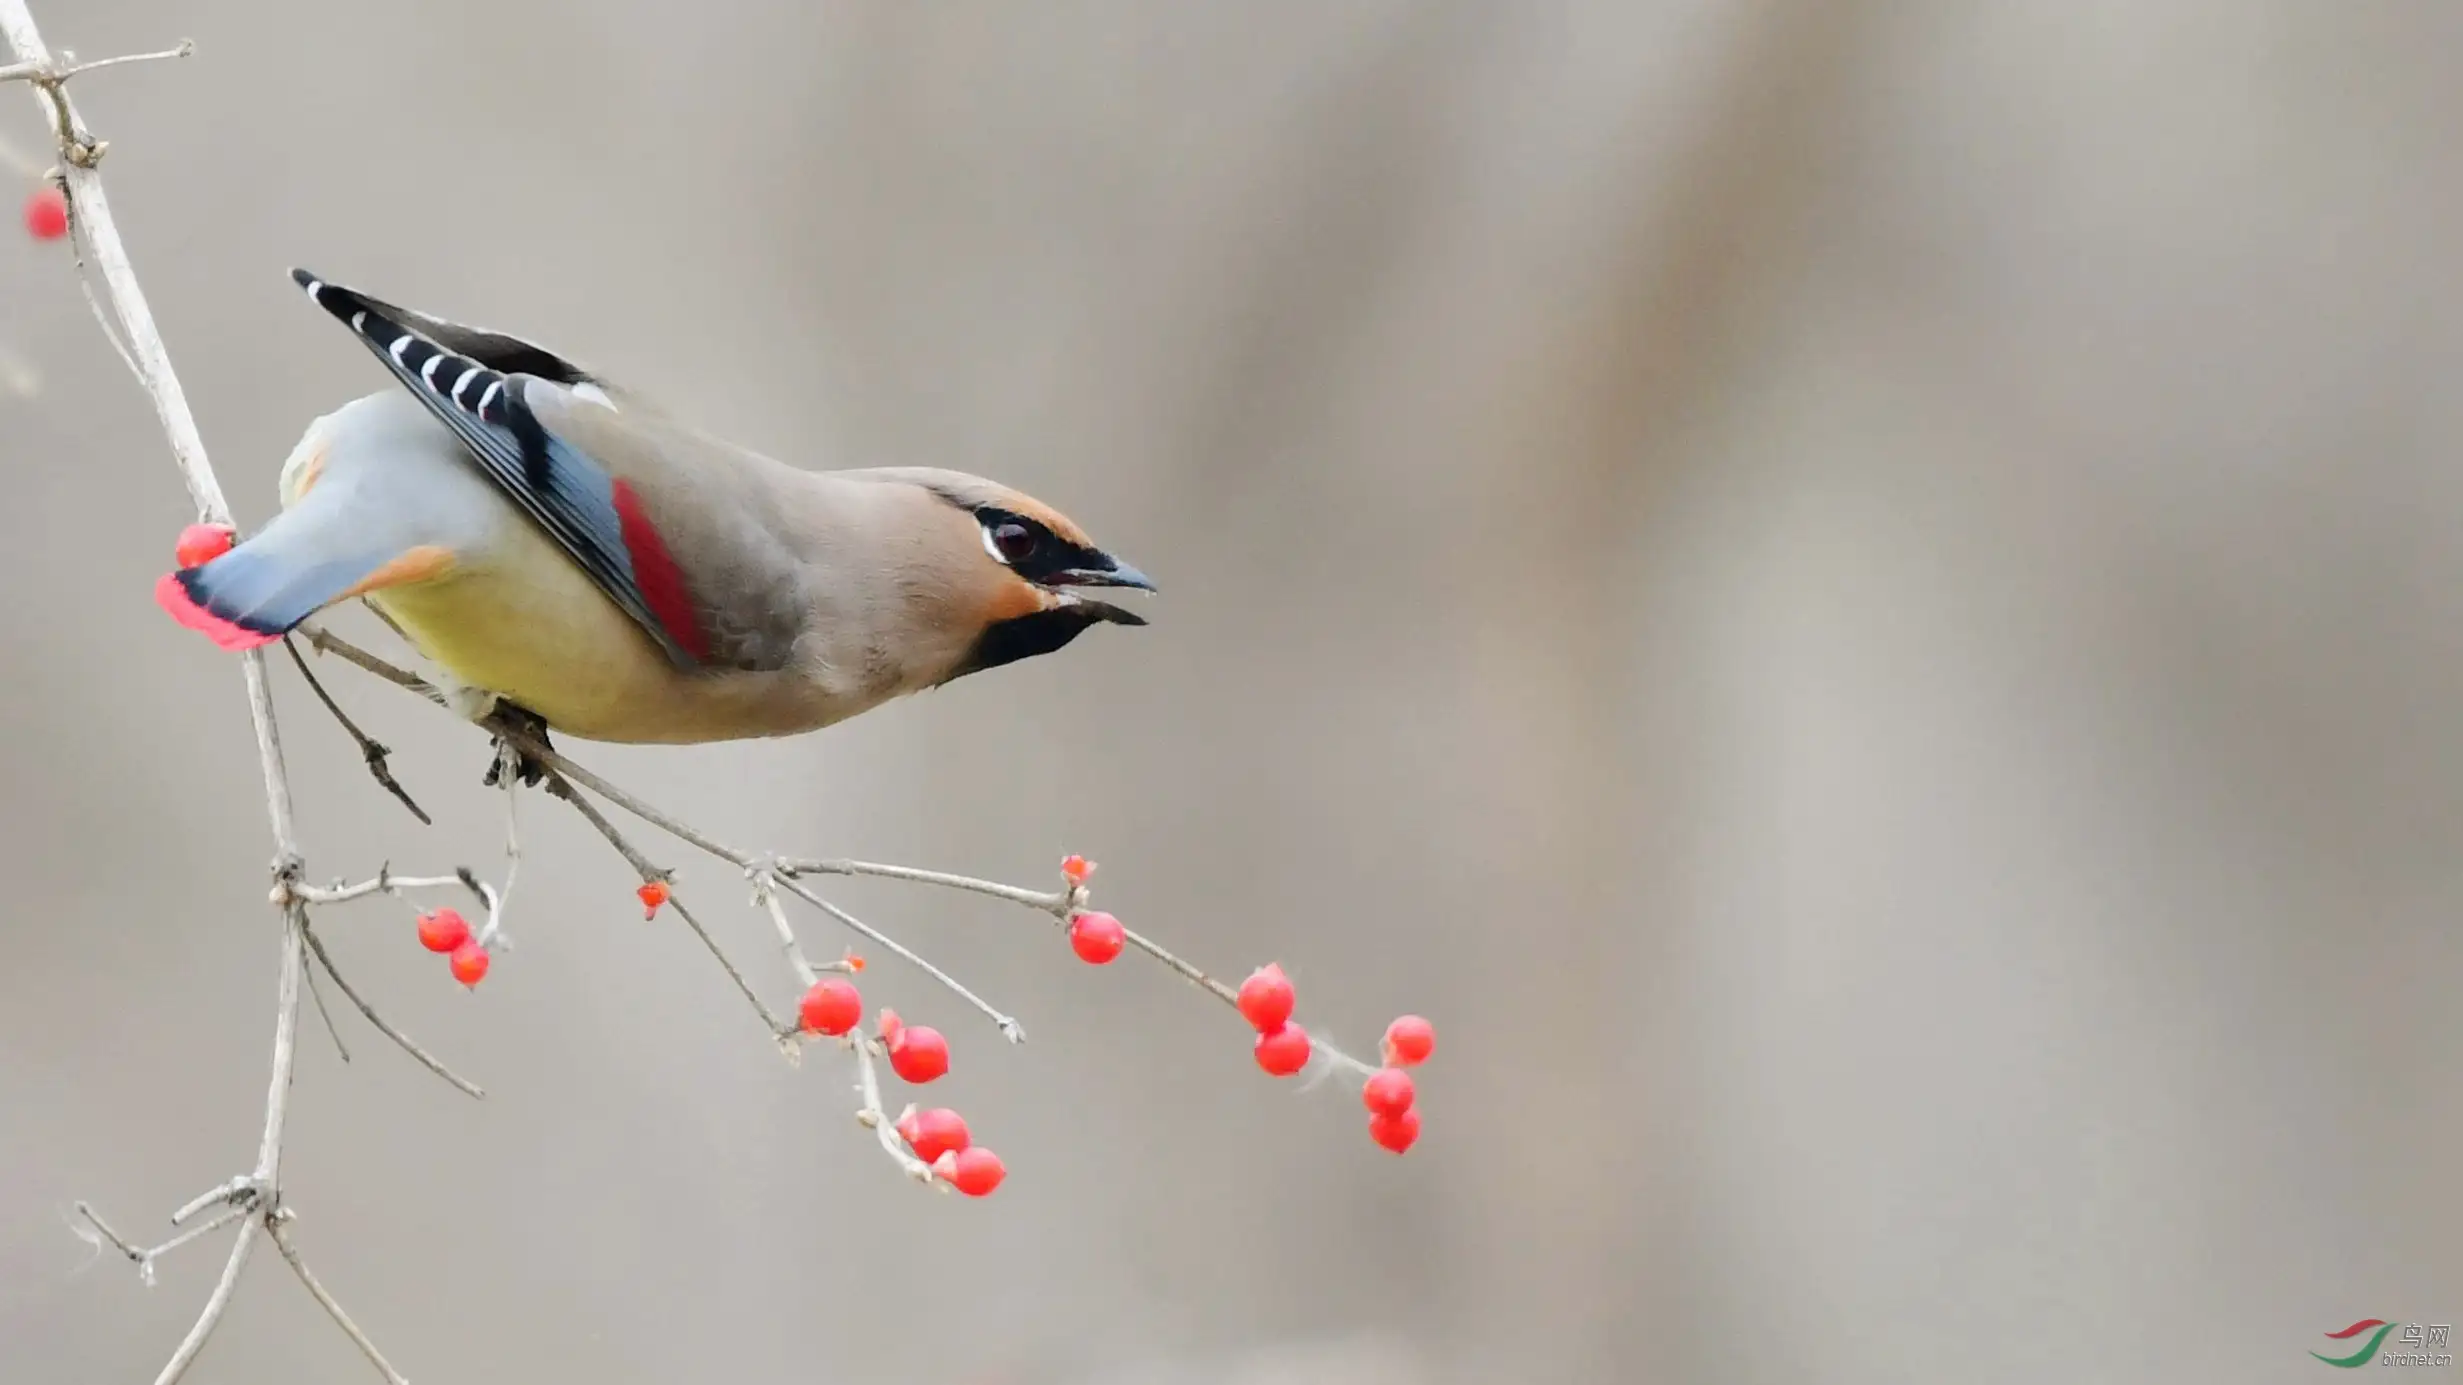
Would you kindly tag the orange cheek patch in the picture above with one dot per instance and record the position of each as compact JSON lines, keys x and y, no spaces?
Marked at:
{"x":412,"y":565}
{"x":1016,"y":597}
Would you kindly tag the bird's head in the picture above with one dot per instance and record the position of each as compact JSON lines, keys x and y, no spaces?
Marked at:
{"x":1024,"y":570}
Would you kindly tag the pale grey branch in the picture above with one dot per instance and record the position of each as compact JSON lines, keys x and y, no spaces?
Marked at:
{"x":278,"y":1226}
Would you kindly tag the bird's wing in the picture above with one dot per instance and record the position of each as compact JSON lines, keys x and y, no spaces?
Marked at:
{"x":630,"y":497}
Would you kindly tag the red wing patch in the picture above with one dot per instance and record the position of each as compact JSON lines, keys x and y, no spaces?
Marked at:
{"x":656,"y":574}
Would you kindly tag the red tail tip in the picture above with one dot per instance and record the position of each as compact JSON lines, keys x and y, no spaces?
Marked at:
{"x":172,"y":595}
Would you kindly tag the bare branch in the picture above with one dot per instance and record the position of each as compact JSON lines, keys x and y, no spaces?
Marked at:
{"x":70,"y":67}
{"x":385,"y":882}
{"x":326,"y":642}
{"x":1010,"y":1028}
{"x":317,"y":994}
{"x":401,"y":1040}
{"x":90,"y":213}
{"x":277,"y":1225}
{"x":1053,"y":902}
{"x":144,"y":1257}
{"x":370,"y":749}
{"x":563,"y":788}
{"x":869,"y":1113}
{"x":498,"y":897}
{"x":209,"y":1317}
{"x":238,"y":1192}
{"x":765,"y":895}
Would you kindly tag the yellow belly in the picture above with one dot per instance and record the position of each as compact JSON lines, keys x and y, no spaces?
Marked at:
{"x":531,"y":628}
{"x":550,"y":642}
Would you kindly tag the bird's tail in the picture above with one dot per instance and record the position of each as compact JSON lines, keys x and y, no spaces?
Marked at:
{"x":296,"y":566}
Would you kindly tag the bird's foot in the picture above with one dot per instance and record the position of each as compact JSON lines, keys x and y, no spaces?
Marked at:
{"x":509,"y":753}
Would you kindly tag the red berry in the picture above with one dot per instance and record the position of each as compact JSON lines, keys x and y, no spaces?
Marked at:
{"x":653,"y":894}
{"x":919,"y":1053}
{"x":831,"y":1007}
{"x":200,"y":544}
{"x":1266,"y":998}
{"x":1396,"y":1133}
{"x":1076,"y":868}
{"x":469,"y":962}
{"x":974,"y":1171}
{"x":47,"y":213}
{"x":934,"y":1133}
{"x":443,"y":931}
{"x":1098,"y":938}
{"x":1283,"y":1051}
{"x":1409,"y":1041}
{"x":1388,"y":1093}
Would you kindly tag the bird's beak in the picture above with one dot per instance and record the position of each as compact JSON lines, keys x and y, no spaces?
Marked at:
{"x":1115,"y":574}
{"x":1119,"y":574}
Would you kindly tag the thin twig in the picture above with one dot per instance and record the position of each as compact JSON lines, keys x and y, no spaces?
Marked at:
{"x":102,"y":319}
{"x":325,"y":641}
{"x":401,"y":1040}
{"x":1058,"y":903}
{"x":1054,"y":902}
{"x":216,"y":1303}
{"x":870,"y":1114}
{"x":765,"y":894}
{"x":499,"y":897}
{"x":384,"y":882}
{"x":563,"y":788}
{"x":144,"y":1257}
{"x":317,"y":994}
{"x":1010,"y":1028}
{"x":45,"y":71}
{"x":370,"y":749}
{"x":237,"y":1192}
{"x":674,"y":827}
{"x":756,"y":866}
{"x":277,"y":1225}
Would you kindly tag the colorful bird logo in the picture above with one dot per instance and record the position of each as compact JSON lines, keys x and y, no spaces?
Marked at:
{"x":2361,"y":1357}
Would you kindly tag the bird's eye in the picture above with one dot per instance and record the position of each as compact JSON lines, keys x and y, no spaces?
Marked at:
{"x":1014,"y":541}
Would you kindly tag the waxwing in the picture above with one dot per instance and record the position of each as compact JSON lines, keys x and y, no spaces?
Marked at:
{"x":552,"y":540}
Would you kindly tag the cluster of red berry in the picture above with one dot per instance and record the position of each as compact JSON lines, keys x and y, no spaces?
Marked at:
{"x":1266,"y":1000}
{"x":918,"y":1053}
{"x":446,"y":931}
{"x":47,"y":212}
{"x":1393,"y":1112}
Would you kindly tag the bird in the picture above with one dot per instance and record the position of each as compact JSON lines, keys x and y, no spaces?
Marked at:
{"x":571,"y":556}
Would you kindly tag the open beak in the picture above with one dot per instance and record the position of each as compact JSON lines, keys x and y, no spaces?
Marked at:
{"x":1119,"y":574}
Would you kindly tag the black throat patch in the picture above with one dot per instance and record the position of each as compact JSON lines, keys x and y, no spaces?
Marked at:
{"x":1024,"y":637}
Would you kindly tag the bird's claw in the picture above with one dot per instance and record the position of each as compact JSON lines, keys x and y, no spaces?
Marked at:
{"x":526,"y":767}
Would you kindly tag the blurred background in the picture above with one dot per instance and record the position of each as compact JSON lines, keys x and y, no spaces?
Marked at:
{"x":1857,"y":599}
